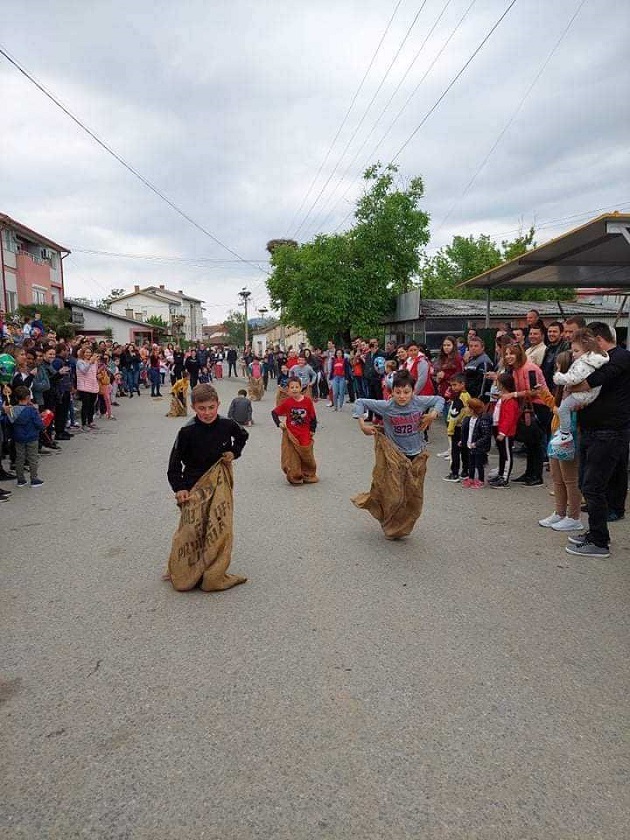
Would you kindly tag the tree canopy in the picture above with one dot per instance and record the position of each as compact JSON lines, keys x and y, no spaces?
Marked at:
{"x":468,"y":256}
{"x":235,"y":328}
{"x":344,"y":283}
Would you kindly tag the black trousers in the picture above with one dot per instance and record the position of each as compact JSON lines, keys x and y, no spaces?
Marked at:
{"x":231,"y":367}
{"x":506,"y":460}
{"x":602,"y":452}
{"x":476,"y":463}
{"x":459,"y":455}
{"x":62,"y":409}
{"x":376,"y":393}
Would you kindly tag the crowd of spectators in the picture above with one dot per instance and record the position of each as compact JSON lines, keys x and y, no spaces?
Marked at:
{"x":524,"y":364}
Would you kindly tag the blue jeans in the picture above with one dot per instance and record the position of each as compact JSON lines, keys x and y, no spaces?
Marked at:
{"x":339,"y":390}
{"x":154,"y":376}
{"x":128,"y":380}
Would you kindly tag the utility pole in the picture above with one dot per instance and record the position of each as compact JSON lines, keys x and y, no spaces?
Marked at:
{"x":245,"y":295}
{"x":262,"y":312}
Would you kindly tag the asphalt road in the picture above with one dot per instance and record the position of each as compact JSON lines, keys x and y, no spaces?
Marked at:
{"x":470,"y":681}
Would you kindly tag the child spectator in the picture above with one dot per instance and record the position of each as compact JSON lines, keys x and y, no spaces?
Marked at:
{"x":27,"y":425}
{"x":205,"y":377}
{"x":240,"y":409}
{"x":387,"y":382}
{"x":506,"y":413}
{"x":456,"y":414}
{"x":477,"y":438}
{"x":587,"y":357}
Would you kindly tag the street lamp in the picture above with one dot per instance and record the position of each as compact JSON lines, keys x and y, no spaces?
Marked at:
{"x":245,"y":295}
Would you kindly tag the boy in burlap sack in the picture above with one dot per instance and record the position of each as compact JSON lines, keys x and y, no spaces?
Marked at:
{"x":200,"y":473}
{"x":396,"y":495}
{"x":298,"y":426}
{"x":179,"y":396}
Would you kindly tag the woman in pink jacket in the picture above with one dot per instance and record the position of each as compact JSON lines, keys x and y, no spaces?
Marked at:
{"x":87,"y":385}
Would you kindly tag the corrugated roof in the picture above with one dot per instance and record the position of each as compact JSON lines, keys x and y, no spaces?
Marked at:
{"x":456,"y":308}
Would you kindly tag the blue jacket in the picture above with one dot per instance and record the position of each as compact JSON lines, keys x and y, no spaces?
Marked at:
{"x":27,"y":423}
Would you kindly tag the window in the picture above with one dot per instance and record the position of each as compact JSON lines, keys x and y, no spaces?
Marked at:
{"x":12,"y":303}
{"x":54,"y":297}
{"x":39,"y":295}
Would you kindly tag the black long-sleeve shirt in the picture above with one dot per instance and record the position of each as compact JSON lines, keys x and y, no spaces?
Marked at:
{"x":611,"y":409}
{"x":198,"y":446}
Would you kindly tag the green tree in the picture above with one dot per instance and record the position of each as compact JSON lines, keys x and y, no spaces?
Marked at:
{"x":111,"y":297}
{"x":156,"y":321}
{"x":235,"y":328}
{"x":342,"y":284}
{"x":468,"y":256}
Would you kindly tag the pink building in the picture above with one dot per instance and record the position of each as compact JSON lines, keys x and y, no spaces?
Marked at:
{"x":31,"y":267}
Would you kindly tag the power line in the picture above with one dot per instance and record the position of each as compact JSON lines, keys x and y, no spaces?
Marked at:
{"x":453,"y":81}
{"x":120,"y":160}
{"x":360,"y":123}
{"x":398,"y":115}
{"x":387,"y":104}
{"x":514,"y":115}
{"x":158,"y":257}
{"x":619,"y":205}
{"x":345,"y":119}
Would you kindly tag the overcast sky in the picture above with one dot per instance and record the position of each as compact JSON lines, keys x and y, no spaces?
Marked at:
{"x":230,"y":109}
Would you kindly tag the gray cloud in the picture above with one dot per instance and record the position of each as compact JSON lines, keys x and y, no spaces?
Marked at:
{"x":229,"y":108}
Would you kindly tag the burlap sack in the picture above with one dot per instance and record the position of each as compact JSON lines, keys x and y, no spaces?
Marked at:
{"x":176,"y":408}
{"x":297,"y":462}
{"x":202,"y":545}
{"x":397,"y":490}
{"x":255,"y":389}
{"x":281,"y":395}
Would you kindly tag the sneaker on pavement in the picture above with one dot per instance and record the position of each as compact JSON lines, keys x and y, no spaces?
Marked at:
{"x":477,"y":484}
{"x":583,"y":538}
{"x":36,"y":482}
{"x":467,"y":482}
{"x":588,"y":549}
{"x":522,"y":479}
{"x":22,"y":483}
{"x":533,"y":482}
{"x":444,"y":454}
{"x":548,"y":521}
{"x":451,"y":477}
{"x":568,"y":524}
{"x":499,"y":482}
{"x":615,"y":516}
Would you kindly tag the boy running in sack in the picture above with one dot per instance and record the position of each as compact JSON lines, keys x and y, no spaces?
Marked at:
{"x":200,"y":475}
{"x":297,"y":419}
{"x":396,"y":495}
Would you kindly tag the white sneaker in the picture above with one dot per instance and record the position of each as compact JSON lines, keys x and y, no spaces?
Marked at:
{"x":493,"y":473}
{"x":568,"y":524}
{"x":444,"y":454}
{"x":551,"y":520}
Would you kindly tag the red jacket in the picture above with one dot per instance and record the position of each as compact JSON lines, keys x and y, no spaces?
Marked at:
{"x":508,"y":417}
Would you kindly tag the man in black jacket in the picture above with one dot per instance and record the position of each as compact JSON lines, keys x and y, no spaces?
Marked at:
{"x":604,"y":439}
{"x":555,"y":346}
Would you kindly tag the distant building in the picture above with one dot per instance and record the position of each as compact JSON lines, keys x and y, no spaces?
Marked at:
{"x":183,"y":314}
{"x":31,"y":267}
{"x":430,"y":321}
{"x":98,"y":323}
{"x":215,"y":334}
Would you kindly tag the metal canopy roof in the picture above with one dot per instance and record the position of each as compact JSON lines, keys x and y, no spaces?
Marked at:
{"x":595,"y":254}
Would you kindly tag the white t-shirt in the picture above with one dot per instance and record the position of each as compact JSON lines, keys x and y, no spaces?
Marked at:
{"x":471,"y":429}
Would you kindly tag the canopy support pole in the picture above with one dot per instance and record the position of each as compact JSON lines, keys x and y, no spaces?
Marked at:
{"x":488,"y":308}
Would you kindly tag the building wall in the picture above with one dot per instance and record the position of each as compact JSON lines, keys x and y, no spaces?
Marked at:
{"x":146,"y":306}
{"x":28,"y":276}
{"x":95,"y":323}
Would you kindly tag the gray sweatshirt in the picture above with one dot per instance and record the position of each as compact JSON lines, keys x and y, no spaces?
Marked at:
{"x":401,"y":422}
{"x":305,"y":374}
